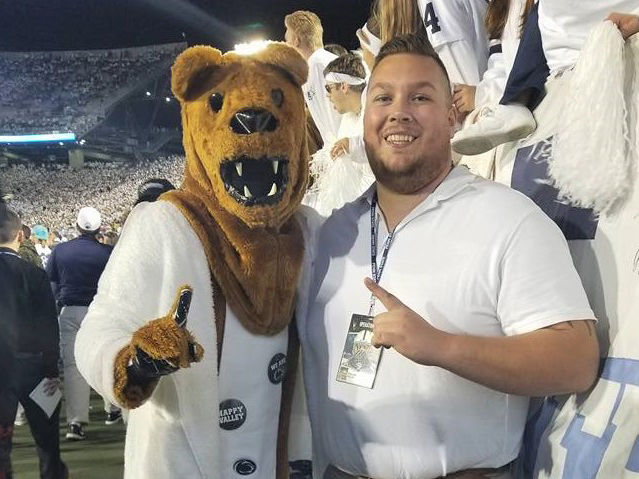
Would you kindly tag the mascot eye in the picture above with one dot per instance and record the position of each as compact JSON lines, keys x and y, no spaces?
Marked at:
{"x":216,"y":100}
{"x":277,"y":96}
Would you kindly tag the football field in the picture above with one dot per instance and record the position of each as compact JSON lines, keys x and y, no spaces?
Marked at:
{"x":99,"y":456}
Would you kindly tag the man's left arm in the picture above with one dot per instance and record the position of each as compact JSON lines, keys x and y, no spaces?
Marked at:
{"x":558,"y":359}
{"x":549,"y":345}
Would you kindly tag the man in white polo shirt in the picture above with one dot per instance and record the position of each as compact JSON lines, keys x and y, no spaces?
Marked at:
{"x":486,"y":307}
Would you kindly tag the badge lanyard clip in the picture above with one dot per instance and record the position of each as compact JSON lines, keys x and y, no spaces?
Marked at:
{"x":376,"y":272}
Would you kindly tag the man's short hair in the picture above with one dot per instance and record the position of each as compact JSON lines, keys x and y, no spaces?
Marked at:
{"x":349,"y":64}
{"x":307,"y":27}
{"x":336,"y":49}
{"x":26,"y":231}
{"x":10,"y":224}
{"x":414,"y":44}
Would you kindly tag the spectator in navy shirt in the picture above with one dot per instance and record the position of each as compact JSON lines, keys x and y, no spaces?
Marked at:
{"x":74,"y":269}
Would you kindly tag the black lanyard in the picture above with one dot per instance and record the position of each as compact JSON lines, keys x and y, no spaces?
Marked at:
{"x":376,"y":272}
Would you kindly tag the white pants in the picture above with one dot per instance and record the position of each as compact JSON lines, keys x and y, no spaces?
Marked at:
{"x":76,"y":389}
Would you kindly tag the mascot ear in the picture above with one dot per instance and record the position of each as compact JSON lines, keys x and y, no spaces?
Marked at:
{"x":195,"y":71}
{"x":287,"y":58}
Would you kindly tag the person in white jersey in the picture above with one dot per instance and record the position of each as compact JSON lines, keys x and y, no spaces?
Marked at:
{"x":455,"y":29}
{"x":504,"y":23}
{"x":563,"y":27}
{"x":566,"y":24}
{"x":457,"y":32}
{"x":304,"y":32}
{"x":486,"y":309}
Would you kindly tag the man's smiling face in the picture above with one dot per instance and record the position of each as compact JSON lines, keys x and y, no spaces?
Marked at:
{"x":408,"y":122}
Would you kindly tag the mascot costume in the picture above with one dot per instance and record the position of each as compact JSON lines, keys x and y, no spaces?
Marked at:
{"x":208,"y":275}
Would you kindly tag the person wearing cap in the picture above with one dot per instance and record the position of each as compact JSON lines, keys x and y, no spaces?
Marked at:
{"x":40,"y":235}
{"x":29,"y":351}
{"x":74,"y":269}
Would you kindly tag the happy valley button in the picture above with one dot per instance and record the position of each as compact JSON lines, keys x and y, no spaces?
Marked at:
{"x":232,"y":414}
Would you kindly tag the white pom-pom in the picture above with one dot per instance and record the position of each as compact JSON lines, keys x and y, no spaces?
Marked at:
{"x":632,"y":102}
{"x":337,"y":181}
{"x":591,"y":159}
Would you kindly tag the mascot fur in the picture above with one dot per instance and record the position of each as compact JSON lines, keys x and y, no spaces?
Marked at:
{"x":227,"y":249}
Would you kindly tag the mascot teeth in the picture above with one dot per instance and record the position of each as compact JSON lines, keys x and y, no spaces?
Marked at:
{"x":255,"y":181}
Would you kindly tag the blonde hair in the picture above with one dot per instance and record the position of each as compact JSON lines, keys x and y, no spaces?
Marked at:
{"x":307,"y":27}
{"x":397,"y":17}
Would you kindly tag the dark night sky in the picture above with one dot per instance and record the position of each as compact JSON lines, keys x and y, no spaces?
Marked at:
{"x":86,"y":24}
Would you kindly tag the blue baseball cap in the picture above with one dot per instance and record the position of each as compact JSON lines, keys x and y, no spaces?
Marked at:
{"x":40,"y":232}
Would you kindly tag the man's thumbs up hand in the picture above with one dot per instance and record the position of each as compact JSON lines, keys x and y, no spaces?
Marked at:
{"x":404,"y":330}
{"x":164,"y":345}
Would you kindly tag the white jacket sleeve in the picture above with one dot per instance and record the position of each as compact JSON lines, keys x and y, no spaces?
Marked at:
{"x":356,"y":149}
{"x":491,"y":87}
{"x":460,"y":62}
{"x":138,"y":285}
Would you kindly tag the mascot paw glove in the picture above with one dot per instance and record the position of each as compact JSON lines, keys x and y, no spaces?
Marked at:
{"x":164,"y":345}
{"x":158,"y":348}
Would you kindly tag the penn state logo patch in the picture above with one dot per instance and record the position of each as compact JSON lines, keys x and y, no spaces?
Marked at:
{"x":244,"y":467}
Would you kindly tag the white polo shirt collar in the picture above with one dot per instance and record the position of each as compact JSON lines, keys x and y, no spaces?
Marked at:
{"x":455,"y":182}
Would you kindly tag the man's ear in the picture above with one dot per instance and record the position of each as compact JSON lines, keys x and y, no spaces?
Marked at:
{"x":294,"y":39}
{"x":286,"y":58}
{"x":195,"y":71}
{"x":452,"y":119}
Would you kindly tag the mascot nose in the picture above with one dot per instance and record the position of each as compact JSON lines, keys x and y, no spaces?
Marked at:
{"x":253,"y":120}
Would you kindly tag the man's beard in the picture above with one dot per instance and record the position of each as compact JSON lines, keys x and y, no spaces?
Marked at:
{"x":408,"y":180}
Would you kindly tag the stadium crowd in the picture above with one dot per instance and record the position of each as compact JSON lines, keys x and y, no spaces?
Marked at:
{"x":52,"y":195}
{"x":45,"y":92}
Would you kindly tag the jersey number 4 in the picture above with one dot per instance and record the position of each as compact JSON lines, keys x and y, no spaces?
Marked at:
{"x":430,"y":19}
